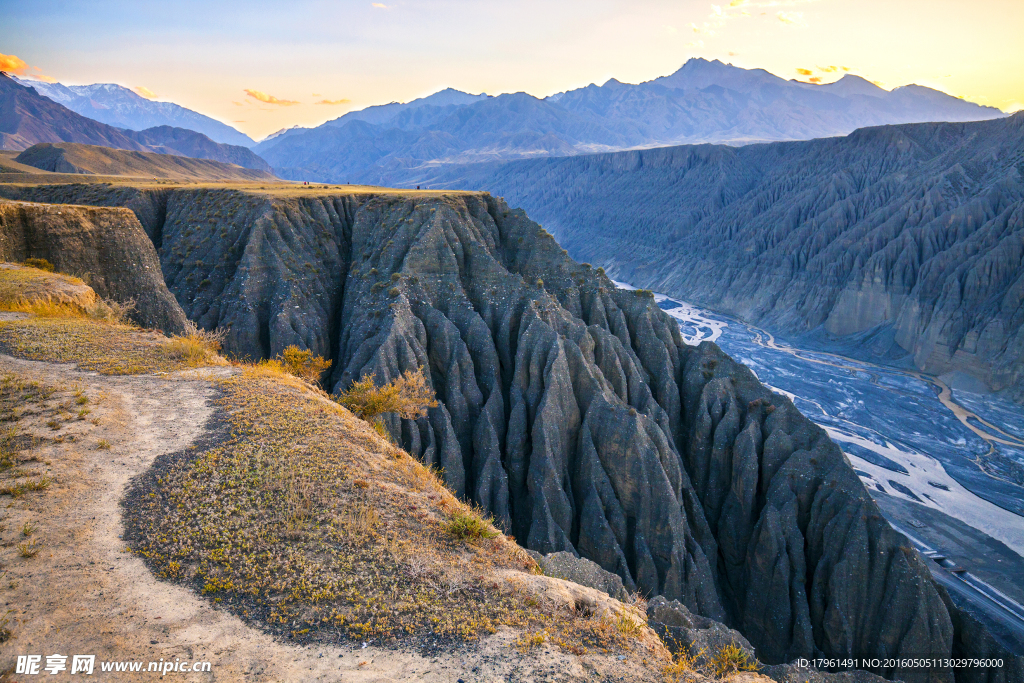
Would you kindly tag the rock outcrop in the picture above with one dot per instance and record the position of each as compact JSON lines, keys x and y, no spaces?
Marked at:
{"x":570,"y":567}
{"x":692,"y":634}
{"x":105,"y":247}
{"x":570,"y":410}
{"x":904,"y":240}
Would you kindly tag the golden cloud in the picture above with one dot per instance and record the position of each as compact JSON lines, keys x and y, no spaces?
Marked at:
{"x":736,"y":3}
{"x":816,"y":80}
{"x":316,"y":94}
{"x":269,"y":99}
{"x":238,"y":104}
{"x":379,"y":5}
{"x":334,"y":102}
{"x":804,"y":72}
{"x":145,"y":92}
{"x":13,"y":65}
{"x":733,"y":54}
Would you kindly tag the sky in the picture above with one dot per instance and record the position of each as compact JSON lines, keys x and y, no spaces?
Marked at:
{"x":265,"y":65}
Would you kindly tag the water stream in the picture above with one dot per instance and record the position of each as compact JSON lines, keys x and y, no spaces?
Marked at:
{"x":907,"y":435}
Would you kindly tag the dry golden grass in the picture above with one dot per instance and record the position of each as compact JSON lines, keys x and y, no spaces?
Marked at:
{"x":299,"y":363}
{"x":22,"y":287}
{"x":196,"y":347}
{"x":68,"y":323}
{"x":684,"y":666}
{"x":304,"y":520}
{"x":275,"y":524}
{"x":106,"y":347}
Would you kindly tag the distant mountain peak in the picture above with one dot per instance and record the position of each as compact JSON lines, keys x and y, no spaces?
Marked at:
{"x":116,"y":105}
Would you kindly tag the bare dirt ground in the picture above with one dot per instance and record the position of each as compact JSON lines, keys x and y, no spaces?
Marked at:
{"x":83,"y":593}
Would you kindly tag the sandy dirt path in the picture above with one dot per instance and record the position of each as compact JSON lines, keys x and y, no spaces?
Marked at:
{"x":83,"y":593}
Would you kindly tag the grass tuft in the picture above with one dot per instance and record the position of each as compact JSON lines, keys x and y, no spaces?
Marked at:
{"x":468,"y":525}
{"x":730,"y":659}
{"x":29,"y":549}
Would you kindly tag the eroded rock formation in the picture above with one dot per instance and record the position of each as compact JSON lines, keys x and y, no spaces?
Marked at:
{"x":570,"y":410}
{"x":905,"y":240}
{"x":106,"y":247}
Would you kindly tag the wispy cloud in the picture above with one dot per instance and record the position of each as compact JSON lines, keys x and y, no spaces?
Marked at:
{"x":334,"y":102}
{"x":237,"y":104}
{"x":269,"y":99}
{"x":721,"y":15}
{"x":379,"y":5}
{"x":831,"y":69}
{"x":791,"y":18}
{"x":143,"y":91}
{"x":13,"y":64}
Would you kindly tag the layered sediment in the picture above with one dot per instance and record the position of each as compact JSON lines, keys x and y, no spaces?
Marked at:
{"x":106,"y":247}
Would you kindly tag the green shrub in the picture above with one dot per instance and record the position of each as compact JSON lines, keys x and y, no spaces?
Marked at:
{"x":468,"y":526}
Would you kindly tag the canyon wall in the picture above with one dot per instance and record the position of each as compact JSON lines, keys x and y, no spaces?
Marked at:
{"x":905,"y":241}
{"x":570,"y":410}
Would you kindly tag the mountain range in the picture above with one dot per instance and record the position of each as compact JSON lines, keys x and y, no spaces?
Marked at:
{"x":704,"y":101}
{"x":905,"y":241}
{"x":116,"y":105}
{"x":28,"y":118}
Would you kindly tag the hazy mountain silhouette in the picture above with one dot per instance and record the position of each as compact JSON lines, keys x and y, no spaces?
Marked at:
{"x":27,"y":118}
{"x":701,"y":102}
{"x":118,"y":106}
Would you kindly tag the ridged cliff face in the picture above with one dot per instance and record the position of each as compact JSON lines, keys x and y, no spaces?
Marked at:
{"x":107,"y":247}
{"x":907,"y":239}
{"x":571,"y":410}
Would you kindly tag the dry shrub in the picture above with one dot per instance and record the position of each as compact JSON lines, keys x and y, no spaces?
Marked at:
{"x":684,"y":665}
{"x":40,"y":263}
{"x":111,"y":311}
{"x":628,"y":625}
{"x":195,"y":346}
{"x":730,"y":659}
{"x":297,"y":362}
{"x":408,"y":396}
